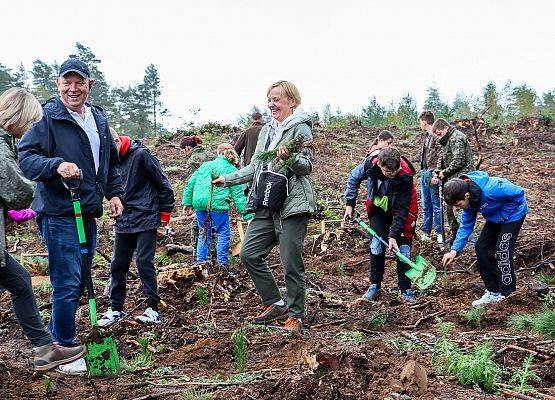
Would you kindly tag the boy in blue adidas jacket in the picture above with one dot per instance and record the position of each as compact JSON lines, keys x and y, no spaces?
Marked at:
{"x":503,"y":206}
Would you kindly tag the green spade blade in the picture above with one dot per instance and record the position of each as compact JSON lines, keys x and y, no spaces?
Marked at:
{"x":421,"y":273}
{"x":102,"y":356}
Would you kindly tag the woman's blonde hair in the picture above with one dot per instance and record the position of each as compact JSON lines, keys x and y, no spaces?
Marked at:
{"x":19,"y":109}
{"x":289,"y":89}
{"x":227,"y":150}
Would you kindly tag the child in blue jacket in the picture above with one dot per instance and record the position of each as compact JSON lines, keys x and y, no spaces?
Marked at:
{"x":503,"y":206}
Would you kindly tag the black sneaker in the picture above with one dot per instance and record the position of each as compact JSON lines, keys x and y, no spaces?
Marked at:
{"x":270,"y":313}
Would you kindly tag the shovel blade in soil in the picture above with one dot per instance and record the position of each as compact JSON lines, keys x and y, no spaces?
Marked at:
{"x":421,"y":273}
{"x":102,"y":357}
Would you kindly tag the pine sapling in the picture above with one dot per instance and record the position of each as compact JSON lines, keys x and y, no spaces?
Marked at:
{"x":240,"y":347}
{"x":521,"y":378}
{"x":295,"y":146}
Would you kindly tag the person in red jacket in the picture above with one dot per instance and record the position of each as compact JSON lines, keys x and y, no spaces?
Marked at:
{"x":148,"y":201}
{"x":392,"y":207}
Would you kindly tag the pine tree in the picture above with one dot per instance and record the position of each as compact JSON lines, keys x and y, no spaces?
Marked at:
{"x":151,"y":91}
{"x":100,"y":92}
{"x":407,"y":111}
{"x":44,"y":80}
{"x":374,"y":114}
{"x":491,"y":99}
{"x":20,"y":77}
{"x":523,"y":101}
{"x":6,"y":78}
{"x":436,"y":104}
{"x":461,"y":107}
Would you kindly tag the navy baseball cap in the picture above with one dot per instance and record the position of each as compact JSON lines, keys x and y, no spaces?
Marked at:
{"x":75,"y":65}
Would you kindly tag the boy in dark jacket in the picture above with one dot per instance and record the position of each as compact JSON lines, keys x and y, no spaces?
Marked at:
{"x":503,"y":205}
{"x":392,"y":207}
{"x":148,"y":201}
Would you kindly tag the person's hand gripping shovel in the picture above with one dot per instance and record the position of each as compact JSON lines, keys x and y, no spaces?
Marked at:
{"x":102,"y":356}
{"x":421,"y":272}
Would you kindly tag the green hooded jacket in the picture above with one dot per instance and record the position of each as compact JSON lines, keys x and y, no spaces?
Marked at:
{"x":301,"y":198}
{"x":456,"y":154}
{"x":202,"y":195}
{"x":16,"y":191}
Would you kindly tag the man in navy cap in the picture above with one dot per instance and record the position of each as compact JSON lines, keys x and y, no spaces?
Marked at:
{"x":72,"y":136}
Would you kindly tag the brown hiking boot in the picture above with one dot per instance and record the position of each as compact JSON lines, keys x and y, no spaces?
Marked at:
{"x":51,"y":355}
{"x":270,"y":313}
{"x":293,"y":324}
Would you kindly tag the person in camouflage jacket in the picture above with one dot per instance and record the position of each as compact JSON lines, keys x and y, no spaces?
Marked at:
{"x":18,"y":110}
{"x":454,"y":159}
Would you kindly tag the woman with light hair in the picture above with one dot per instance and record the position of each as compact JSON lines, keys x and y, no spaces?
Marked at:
{"x":18,"y":111}
{"x":282,"y":198}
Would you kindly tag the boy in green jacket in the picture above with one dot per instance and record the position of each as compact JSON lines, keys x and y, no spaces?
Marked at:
{"x":211,"y":204}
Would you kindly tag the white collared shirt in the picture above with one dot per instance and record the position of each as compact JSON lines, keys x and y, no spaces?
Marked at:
{"x":88,"y":124}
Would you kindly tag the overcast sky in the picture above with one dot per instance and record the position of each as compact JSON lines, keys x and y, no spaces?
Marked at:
{"x":220,"y":56}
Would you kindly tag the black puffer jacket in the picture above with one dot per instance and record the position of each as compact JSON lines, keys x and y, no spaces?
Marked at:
{"x":147,"y":190}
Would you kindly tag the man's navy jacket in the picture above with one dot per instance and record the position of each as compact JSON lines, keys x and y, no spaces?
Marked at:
{"x":57,"y":138}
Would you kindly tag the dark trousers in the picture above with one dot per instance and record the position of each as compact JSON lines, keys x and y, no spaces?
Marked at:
{"x":495,"y":250}
{"x":17,"y":281}
{"x":381,"y":223}
{"x":377,"y":263}
{"x":124,"y":247}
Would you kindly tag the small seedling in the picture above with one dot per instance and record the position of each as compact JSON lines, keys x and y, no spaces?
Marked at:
{"x":49,"y":386}
{"x":543,"y":322}
{"x":377,"y":320}
{"x":341,"y":270}
{"x":315,"y":274}
{"x":521,"y":378}
{"x":353,"y":336}
{"x":474,"y":316}
{"x":197,"y":394}
{"x":161,"y":371}
{"x":240,"y":347}
{"x":144,"y":358}
{"x":200,"y":291}
{"x":545,"y":277}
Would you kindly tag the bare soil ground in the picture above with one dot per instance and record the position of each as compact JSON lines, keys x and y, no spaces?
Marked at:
{"x":342,"y":352}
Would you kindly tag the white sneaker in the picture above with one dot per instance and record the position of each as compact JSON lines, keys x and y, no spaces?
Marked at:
{"x":109,"y":317}
{"x":77,"y":367}
{"x":488,"y":297}
{"x":149,"y":317}
{"x":425,"y":237}
{"x":440,"y":239}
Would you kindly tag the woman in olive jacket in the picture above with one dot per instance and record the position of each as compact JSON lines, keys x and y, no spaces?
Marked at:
{"x":287,"y":226}
{"x":18,"y":111}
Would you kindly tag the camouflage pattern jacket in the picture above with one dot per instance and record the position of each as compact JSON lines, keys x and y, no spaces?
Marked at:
{"x":455,"y":155}
{"x":196,"y":157}
{"x":16,"y":191}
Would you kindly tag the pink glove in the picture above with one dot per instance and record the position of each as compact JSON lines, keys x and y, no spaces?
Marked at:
{"x":20,"y":216}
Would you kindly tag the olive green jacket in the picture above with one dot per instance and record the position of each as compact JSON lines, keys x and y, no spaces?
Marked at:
{"x":16,"y":191}
{"x":455,"y":155}
{"x":301,"y":198}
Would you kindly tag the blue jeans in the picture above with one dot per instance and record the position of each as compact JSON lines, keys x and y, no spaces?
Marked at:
{"x":59,"y":235}
{"x":220,"y":221}
{"x":430,"y":203}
